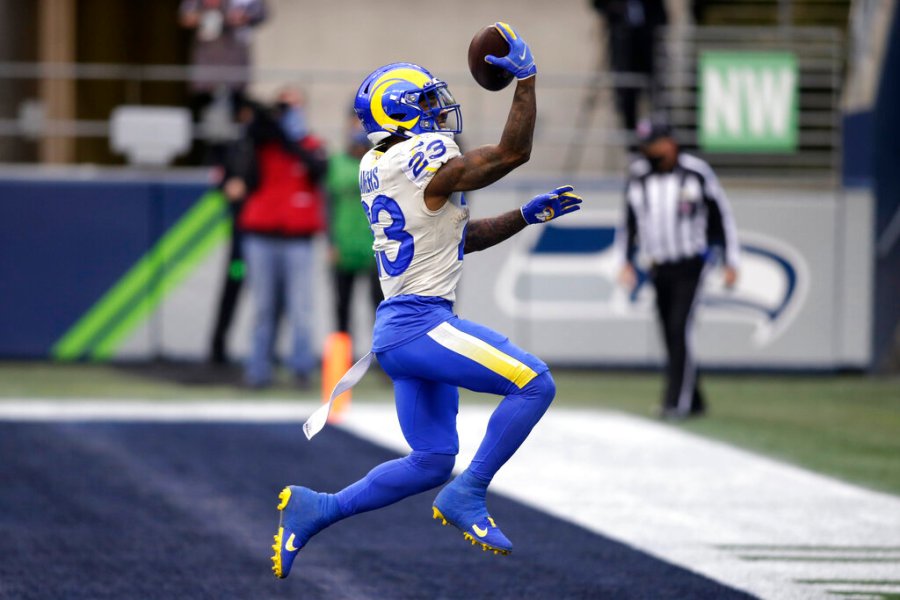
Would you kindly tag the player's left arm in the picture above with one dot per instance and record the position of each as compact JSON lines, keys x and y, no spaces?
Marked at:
{"x":484,"y":233}
{"x":721,"y":222}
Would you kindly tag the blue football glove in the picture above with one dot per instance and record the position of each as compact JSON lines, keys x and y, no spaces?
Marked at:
{"x":519,"y":61}
{"x":547,"y":207}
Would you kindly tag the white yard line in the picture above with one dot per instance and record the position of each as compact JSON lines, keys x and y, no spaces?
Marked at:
{"x":154,"y":410}
{"x":700,"y":504}
{"x":769,"y":528}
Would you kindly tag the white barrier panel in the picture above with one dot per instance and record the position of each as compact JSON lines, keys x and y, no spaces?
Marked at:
{"x":803,"y":299}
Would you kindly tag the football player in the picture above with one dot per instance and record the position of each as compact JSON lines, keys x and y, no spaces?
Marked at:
{"x":411,"y":184}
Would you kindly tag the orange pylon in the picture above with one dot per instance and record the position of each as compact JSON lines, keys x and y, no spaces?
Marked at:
{"x":337,"y":357}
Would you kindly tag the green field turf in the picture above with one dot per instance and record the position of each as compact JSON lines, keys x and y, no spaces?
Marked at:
{"x":847,"y":426}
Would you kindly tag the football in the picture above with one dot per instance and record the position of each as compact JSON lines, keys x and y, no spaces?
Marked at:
{"x":486,"y":42}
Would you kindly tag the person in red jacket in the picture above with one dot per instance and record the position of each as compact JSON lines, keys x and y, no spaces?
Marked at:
{"x":285,"y":209}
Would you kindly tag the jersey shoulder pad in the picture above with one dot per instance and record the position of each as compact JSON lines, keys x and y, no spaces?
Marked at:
{"x":424,"y":154}
{"x":369,"y":159}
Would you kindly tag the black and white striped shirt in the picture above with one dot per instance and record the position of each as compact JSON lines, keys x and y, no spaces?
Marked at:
{"x":677,"y":215}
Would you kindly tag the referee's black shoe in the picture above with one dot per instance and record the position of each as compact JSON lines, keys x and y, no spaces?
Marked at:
{"x":671,"y":413}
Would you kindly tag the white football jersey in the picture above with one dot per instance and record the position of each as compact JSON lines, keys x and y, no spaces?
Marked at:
{"x":418,"y":251}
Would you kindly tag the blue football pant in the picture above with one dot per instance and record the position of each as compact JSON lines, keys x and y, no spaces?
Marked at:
{"x":427,"y":373}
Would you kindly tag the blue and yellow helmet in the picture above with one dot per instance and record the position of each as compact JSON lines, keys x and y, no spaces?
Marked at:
{"x":404,"y":99}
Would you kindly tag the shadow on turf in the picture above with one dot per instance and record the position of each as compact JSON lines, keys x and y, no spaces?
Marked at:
{"x":189,"y":373}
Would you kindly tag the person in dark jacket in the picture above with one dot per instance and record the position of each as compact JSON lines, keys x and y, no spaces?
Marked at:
{"x":239,"y":159}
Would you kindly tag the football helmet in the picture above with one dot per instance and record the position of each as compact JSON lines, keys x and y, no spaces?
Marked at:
{"x":404,"y":99}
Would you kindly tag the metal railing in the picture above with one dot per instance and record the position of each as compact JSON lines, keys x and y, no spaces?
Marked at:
{"x":579,"y":131}
{"x":603,"y":146}
{"x":820,"y":58}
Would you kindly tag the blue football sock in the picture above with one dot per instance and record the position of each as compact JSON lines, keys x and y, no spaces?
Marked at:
{"x":394,"y":480}
{"x":472,"y":484}
{"x":512,"y":421}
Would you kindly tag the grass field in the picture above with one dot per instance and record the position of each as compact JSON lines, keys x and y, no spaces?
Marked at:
{"x":847,"y":426}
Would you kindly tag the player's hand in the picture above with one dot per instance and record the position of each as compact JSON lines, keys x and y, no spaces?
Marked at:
{"x":547,"y":207}
{"x":235,"y":189}
{"x":731,"y":276}
{"x":628,"y":277}
{"x":519,"y":61}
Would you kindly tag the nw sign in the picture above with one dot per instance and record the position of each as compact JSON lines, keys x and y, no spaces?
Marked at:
{"x":748,"y":102}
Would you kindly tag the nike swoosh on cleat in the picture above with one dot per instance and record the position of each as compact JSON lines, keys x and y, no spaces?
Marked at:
{"x":289,"y":545}
{"x":481,"y":532}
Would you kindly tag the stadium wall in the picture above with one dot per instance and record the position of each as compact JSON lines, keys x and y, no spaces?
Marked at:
{"x":886,"y":151}
{"x":337,"y":43}
{"x":98,"y":267}
{"x":86,"y":257}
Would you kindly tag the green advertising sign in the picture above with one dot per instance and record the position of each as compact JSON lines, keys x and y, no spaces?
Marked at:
{"x":748,"y":102}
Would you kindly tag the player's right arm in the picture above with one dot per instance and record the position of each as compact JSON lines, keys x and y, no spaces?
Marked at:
{"x":485,"y":165}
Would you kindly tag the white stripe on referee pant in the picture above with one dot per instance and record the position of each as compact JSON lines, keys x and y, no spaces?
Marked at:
{"x":689,"y":375}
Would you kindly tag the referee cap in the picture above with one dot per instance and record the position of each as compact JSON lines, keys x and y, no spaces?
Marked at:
{"x":652,"y":129}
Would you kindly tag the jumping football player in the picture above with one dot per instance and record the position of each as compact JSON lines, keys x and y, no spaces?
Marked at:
{"x":409,"y":183}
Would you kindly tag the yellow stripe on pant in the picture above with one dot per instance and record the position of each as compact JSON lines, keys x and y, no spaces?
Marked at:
{"x":483,"y":353}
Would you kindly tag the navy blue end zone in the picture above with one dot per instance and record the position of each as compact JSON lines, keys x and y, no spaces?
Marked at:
{"x":151,"y":510}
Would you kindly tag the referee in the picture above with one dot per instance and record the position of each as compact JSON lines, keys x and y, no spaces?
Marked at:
{"x":675,"y":210}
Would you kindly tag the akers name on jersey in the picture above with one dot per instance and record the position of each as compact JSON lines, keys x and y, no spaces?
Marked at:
{"x":418,"y":251}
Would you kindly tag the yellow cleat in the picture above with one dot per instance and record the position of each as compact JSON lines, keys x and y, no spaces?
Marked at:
{"x":283,"y":497}
{"x":464,"y":508}
{"x":302,"y":514}
{"x":276,"y":558}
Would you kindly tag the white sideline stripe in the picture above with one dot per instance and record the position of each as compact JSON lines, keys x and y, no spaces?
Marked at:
{"x":682,"y":498}
{"x":155,"y":410}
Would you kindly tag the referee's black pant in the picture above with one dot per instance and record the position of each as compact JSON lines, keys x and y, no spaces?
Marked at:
{"x":676,"y":286}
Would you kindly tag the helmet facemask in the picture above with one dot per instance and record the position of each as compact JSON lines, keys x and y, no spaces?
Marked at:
{"x":440,"y":111}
